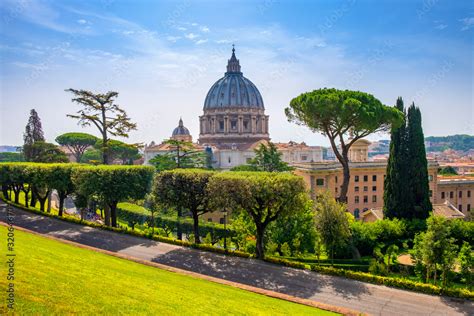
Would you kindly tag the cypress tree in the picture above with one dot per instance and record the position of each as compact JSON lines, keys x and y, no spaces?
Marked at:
{"x":395,"y":185}
{"x":33,"y":133}
{"x":418,"y":166}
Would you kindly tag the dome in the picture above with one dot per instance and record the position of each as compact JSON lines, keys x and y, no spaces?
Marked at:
{"x":233,"y":90}
{"x":180,"y":130}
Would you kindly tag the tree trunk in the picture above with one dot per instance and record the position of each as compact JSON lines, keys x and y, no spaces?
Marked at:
{"x":17,"y":194}
{"x":259,"y":243}
{"x":197,"y":240}
{"x":179,"y":231}
{"x":62,"y":196}
{"x":113,"y":213}
{"x":26,"y":197}
{"x":33,"y":197}
{"x":42,"y":202}
{"x":5,"y":190}
{"x":107,"y":214}
{"x":49,"y":201}
{"x":105,"y":149}
{"x":345,"y":182}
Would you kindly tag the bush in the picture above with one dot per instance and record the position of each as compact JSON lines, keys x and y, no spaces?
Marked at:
{"x":366,"y":236}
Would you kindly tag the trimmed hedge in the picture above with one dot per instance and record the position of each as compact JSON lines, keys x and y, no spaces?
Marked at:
{"x":376,"y":279}
{"x":139,"y":215}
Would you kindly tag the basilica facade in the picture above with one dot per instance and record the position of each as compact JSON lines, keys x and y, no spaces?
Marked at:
{"x":234,"y":124}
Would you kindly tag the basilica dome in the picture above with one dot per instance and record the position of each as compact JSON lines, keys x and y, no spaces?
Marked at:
{"x":180,"y":130}
{"x":233,"y":90}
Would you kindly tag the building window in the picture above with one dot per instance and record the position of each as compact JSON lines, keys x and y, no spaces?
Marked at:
{"x":366,"y":189}
{"x":442,"y":195}
{"x":469,"y":207}
{"x":430,"y":177}
{"x":460,"y":194}
{"x":209,"y":220}
{"x":460,"y":207}
{"x":246,"y":124}
{"x":374,"y":177}
{"x":374,"y":188}
{"x":366,"y":199}
{"x":221,"y":220}
{"x":248,"y":160}
{"x":221,"y":125}
{"x":304,"y":157}
{"x":468,"y":193}
{"x":431,"y":193}
{"x":356,"y":178}
{"x":374,"y":198}
{"x":356,"y":199}
{"x":233,"y":124}
{"x":451,"y":194}
{"x":229,"y":160}
{"x":336,"y":179}
{"x":336,"y":190}
{"x":319,"y":182}
{"x":356,"y":189}
{"x":356,"y":213}
{"x":366,"y":178}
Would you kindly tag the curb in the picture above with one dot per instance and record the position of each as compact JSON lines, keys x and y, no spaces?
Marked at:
{"x":286,"y":297}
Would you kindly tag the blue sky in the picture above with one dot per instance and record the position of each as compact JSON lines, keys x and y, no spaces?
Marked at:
{"x":163,"y":56}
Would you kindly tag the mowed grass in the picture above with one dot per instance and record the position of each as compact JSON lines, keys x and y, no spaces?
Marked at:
{"x":56,"y":278}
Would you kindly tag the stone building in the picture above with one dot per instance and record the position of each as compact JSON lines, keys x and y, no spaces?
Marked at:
{"x":453,"y":195}
{"x":180,"y":133}
{"x":234,"y":124}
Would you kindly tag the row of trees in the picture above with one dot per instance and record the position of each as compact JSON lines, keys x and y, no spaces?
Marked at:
{"x":106,"y":184}
{"x":406,"y":192}
{"x":264,"y":196}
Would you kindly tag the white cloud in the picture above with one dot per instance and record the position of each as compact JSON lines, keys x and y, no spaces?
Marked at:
{"x":173,"y":38}
{"x":191,"y":36}
{"x":467,"y":23}
{"x":223,"y":41}
{"x":204,"y":29}
{"x":82,"y":21}
{"x":441,"y":26}
{"x":181,"y":28}
{"x":201,"y":41}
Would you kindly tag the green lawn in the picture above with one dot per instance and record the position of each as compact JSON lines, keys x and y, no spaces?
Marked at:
{"x":56,"y":278}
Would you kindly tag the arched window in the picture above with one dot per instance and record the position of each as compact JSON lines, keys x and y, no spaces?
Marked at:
{"x":356,"y":213}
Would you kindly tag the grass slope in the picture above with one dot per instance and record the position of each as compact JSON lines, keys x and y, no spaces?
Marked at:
{"x":56,"y":278}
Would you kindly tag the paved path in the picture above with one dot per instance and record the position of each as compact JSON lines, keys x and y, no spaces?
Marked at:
{"x":368,"y":298}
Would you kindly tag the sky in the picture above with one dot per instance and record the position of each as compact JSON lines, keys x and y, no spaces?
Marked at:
{"x":163,"y":56}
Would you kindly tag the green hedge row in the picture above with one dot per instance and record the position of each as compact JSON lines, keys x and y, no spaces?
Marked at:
{"x":375,"y":279}
{"x":134,"y":214}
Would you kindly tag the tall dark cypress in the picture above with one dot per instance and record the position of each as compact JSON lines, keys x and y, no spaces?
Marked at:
{"x":395,"y":185}
{"x":418,"y":165}
{"x":33,"y":133}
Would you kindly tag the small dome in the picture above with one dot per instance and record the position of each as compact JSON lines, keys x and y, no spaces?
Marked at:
{"x":233,"y":90}
{"x":180,"y":130}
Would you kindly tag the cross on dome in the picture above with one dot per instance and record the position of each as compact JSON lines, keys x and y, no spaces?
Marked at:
{"x":233,"y":64}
